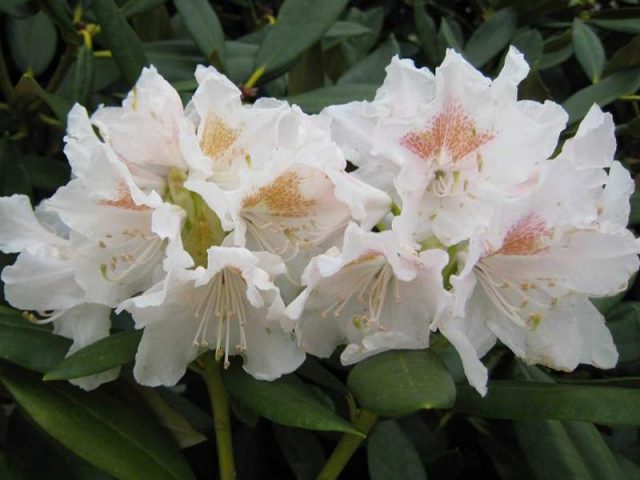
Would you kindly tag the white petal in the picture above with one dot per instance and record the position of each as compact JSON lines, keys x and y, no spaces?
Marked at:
{"x":614,"y":202}
{"x":405,"y":88}
{"x":515,"y":69}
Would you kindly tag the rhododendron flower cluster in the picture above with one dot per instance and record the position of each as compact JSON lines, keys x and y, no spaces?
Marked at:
{"x":238,"y":228}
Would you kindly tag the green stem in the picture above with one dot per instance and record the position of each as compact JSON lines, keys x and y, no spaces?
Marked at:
{"x":221,"y":419}
{"x":347,"y":446}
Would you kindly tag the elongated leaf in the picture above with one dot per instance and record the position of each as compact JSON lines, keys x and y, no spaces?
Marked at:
{"x":624,"y":322}
{"x":110,"y":352}
{"x":307,"y":74}
{"x":610,"y":88}
{"x":448,"y":35}
{"x":301,"y":23}
{"x":32,"y":42}
{"x":491,"y":37}
{"x":14,"y":177}
{"x":531,"y":44}
{"x":427,"y":33}
{"x":621,"y":20}
{"x":589,"y":50}
{"x":46,"y":173}
{"x":121,"y":40}
{"x":398,"y":383}
{"x":391,"y":455}
{"x":60,"y":106}
{"x":83,"y":76}
{"x":97,"y":427}
{"x":605,"y":405}
{"x":302,"y":450}
{"x":287,"y":401}
{"x":556,"y":50}
{"x":203,"y":25}
{"x":316,"y":100}
{"x":176,"y":60}
{"x":134,"y":7}
{"x":626,"y":56}
{"x":593,"y":449}
{"x":371,"y":69}
{"x":27,"y":344}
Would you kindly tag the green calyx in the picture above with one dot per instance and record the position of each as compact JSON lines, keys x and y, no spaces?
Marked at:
{"x":451,"y":267}
{"x":202,"y":228}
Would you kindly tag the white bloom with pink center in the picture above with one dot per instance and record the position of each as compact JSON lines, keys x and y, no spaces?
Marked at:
{"x":373,"y":295}
{"x":449,"y":146}
{"x":230,"y":306}
{"x":272,"y":174}
{"x":527,"y":279}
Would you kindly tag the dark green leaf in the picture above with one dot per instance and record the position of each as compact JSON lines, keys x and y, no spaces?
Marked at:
{"x":556,"y":50}
{"x":101,"y":429}
{"x":16,"y":8}
{"x":371,"y":69}
{"x":29,"y":87}
{"x":391,"y":455}
{"x":634,"y":216}
{"x":626,"y":56}
{"x":61,"y":13}
{"x":302,"y":450}
{"x":604,"y":92}
{"x":621,"y":20}
{"x":14,"y":177}
{"x":593,"y":449}
{"x":605,"y":405}
{"x":427,"y":33}
{"x":121,"y":40}
{"x":398,"y":383}
{"x":491,"y":37}
{"x":316,"y":100}
{"x":342,"y":30}
{"x":624,"y":323}
{"x":314,"y":371}
{"x":202,"y":23}
{"x":301,"y":23}
{"x":134,"y":7}
{"x":175,"y":59}
{"x":109,"y":352}
{"x":46,"y":173}
{"x":287,"y":401}
{"x":83,"y":76}
{"x":29,"y":345}
{"x":307,"y":74}
{"x":531,"y":44}
{"x":449,"y":36}
{"x":589,"y":50}
{"x":32,"y":42}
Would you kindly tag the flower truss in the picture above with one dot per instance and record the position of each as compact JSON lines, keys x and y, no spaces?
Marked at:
{"x":236,"y":228}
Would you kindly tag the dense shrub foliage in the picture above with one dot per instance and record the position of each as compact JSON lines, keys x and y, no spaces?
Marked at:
{"x":534,"y":422}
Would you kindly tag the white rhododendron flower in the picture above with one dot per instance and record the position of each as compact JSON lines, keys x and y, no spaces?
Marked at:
{"x":373,"y":295}
{"x":454,"y":144}
{"x":527,"y":279}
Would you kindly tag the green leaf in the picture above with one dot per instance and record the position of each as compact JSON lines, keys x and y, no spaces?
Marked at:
{"x":427,"y":33}
{"x":16,"y":8}
{"x":634,"y":216}
{"x":556,"y":50}
{"x":175,"y":60}
{"x":448,"y":35}
{"x":621,"y":20}
{"x":307,"y":74}
{"x":491,"y":37}
{"x":316,"y":100}
{"x":46,"y":173}
{"x":32,"y":42}
{"x":589,"y":50}
{"x":28,"y":86}
{"x":626,"y":56}
{"x":123,"y":42}
{"x":14,"y":177}
{"x":342,"y":30}
{"x":29,"y":345}
{"x":83,"y":76}
{"x":134,"y":7}
{"x":203,"y":25}
{"x":531,"y":44}
{"x":240,"y":60}
{"x":61,"y":13}
{"x":302,"y":450}
{"x":391,"y":455}
{"x":624,"y":323}
{"x":592,"y":448}
{"x":109,"y":352}
{"x":609,"y":89}
{"x":98,"y":427}
{"x":371,"y":69}
{"x":287,"y":401}
{"x":300,"y":24}
{"x":505,"y":400}
{"x":398,"y":383}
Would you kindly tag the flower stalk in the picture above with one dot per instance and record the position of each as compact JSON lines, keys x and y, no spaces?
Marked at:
{"x":347,"y":446}
{"x":221,"y":418}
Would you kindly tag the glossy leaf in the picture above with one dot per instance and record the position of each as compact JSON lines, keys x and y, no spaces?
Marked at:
{"x":589,"y":50}
{"x":491,"y":37}
{"x":556,"y":50}
{"x":83,"y":75}
{"x":98,"y":427}
{"x":300,"y":24}
{"x":398,"y":383}
{"x":124,"y":44}
{"x":530,"y":43}
{"x":203,"y":25}
{"x":32,"y":42}
{"x":134,"y":7}
{"x":620,"y":20}
{"x":316,"y":100}
{"x":287,"y":401}
{"x":391,"y":455}
{"x":109,"y":352}
{"x":604,"y":405}
{"x":307,"y":74}
{"x":29,"y":345}
{"x":610,"y":88}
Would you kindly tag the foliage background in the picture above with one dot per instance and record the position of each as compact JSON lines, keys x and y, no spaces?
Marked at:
{"x":534,"y":424}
